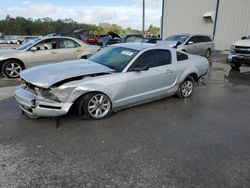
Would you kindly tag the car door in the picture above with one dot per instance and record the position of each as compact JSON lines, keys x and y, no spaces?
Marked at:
{"x":155,"y":80}
{"x":41,"y":53}
{"x":202,"y":44}
{"x":66,"y":49}
{"x":193,"y":45}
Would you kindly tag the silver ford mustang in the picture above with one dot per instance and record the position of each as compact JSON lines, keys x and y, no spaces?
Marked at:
{"x":116,"y":77}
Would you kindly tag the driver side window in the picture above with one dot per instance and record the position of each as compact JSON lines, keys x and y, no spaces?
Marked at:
{"x":47,"y":44}
{"x":152,"y":58}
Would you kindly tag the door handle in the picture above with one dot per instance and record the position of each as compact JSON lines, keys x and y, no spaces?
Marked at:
{"x":53,"y":52}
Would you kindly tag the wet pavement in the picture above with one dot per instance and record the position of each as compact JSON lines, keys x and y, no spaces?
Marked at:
{"x":202,"y":141}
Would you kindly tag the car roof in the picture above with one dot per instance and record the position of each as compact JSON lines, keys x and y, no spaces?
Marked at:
{"x":192,"y":34}
{"x":135,"y":46}
{"x":58,"y":37}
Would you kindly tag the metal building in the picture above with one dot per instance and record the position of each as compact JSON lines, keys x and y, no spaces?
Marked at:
{"x":225,"y":20}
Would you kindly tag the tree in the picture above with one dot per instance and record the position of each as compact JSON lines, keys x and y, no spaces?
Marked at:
{"x":153,"y":30}
{"x":43,"y":26}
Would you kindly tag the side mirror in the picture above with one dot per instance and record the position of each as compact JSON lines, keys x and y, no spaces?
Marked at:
{"x":243,"y":38}
{"x":139,"y":69}
{"x":33,"y":48}
{"x":190,"y":42}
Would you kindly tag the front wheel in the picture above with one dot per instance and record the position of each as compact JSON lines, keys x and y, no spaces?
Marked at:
{"x":186,"y":87}
{"x":12,"y":69}
{"x":94,"y":106}
{"x":235,"y":65}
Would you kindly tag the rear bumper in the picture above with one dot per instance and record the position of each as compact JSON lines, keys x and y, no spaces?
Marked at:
{"x":242,"y":59}
{"x":35,"y":106}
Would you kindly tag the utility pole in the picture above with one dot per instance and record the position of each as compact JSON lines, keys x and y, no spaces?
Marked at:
{"x":143,"y":17}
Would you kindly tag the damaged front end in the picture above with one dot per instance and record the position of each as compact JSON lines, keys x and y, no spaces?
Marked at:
{"x":35,"y":101}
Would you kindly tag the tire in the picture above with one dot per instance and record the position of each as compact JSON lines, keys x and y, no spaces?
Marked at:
{"x":12,"y":69}
{"x":208,"y":53}
{"x":94,"y":106}
{"x":186,"y":88}
{"x":235,"y":65}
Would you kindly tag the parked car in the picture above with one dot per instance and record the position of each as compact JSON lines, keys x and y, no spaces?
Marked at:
{"x":151,"y":39}
{"x":90,"y":39}
{"x":116,"y":77}
{"x":125,"y":38}
{"x":240,"y":53}
{"x":193,"y":44}
{"x":113,"y":38}
{"x":132,"y":38}
{"x":81,"y":34}
{"x":42,"y":51}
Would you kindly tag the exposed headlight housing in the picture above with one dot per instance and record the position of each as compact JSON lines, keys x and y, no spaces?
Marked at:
{"x":62,"y":93}
{"x":47,"y":94}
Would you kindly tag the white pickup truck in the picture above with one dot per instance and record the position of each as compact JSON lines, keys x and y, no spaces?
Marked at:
{"x":240,"y":53}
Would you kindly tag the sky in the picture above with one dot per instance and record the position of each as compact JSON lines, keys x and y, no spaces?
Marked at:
{"x":127,"y":13}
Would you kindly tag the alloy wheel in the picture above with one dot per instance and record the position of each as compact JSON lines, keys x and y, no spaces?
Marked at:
{"x":99,"y":106}
{"x":187,"y":88}
{"x":13,"y":70}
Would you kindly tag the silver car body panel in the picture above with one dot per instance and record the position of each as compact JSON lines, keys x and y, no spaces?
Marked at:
{"x":123,"y":88}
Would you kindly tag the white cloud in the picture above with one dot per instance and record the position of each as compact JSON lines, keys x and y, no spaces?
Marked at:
{"x":42,"y":9}
{"x":127,"y":15}
{"x":25,"y":2}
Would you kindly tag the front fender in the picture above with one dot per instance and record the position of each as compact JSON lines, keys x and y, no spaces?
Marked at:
{"x":81,"y":90}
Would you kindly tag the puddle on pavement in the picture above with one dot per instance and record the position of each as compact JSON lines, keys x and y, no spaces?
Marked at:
{"x":223,"y":74}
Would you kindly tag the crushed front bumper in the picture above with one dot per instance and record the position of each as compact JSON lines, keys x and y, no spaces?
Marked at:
{"x":35,"y":106}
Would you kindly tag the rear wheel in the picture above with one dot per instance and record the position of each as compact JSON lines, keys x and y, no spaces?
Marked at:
{"x":186,"y":87}
{"x":12,"y":69}
{"x":94,"y":106}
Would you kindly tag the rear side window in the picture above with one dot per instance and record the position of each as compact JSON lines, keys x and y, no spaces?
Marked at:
{"x":153,"y":58}
{"x":181,"y":56}
{"x":205,"y":39}
{"x":67,"y":43}
{"x":195,"y":39}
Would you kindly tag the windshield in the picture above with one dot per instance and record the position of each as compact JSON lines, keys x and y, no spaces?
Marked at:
{"x":115,"y":58}
{"x":28,"y":44}
{"x":181,"y":38}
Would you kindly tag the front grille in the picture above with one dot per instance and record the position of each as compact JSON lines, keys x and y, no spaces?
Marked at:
{"x":243,"y":47}
{"x":242,"y":50}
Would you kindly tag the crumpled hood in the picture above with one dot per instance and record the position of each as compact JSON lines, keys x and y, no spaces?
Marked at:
{"x":245,"y":42}
{"x":7,"y":52}
{"x":47,"y":75}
